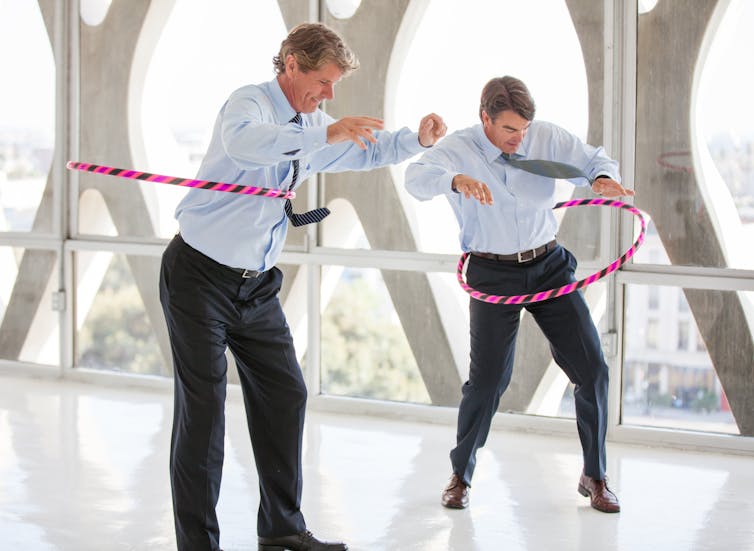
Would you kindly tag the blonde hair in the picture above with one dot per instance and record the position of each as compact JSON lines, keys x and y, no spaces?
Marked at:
{"x":315,"y":45}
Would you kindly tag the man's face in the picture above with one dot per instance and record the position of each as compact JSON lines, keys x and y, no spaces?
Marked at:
{"x":309,"y":89}
{"x":507,"y":131}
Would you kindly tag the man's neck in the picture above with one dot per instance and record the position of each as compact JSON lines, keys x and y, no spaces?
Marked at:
{"x":287,"y":88}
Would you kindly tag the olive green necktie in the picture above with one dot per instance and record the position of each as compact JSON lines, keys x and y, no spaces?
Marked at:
{"x":551,"y":169}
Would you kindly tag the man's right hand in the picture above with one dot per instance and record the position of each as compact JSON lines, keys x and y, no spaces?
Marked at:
{"x":358,"y":130}
{"x":472,"y":188}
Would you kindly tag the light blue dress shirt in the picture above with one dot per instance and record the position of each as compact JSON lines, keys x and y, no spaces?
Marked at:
{"x":253,"y":144}
{"x":521,"y":217}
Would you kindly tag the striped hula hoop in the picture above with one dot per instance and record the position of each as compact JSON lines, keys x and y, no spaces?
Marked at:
{"x":571,"y":287}
{"x":185,"y":182}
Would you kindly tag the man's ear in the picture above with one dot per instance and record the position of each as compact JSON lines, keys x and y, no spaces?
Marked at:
{"x":290,"y":63}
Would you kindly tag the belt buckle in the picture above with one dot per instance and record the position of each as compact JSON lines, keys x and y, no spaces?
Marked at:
{"x":520,"y":255}
{"x":248,"y":274}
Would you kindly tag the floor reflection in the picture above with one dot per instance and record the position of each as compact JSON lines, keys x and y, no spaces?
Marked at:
{"x":85,"y":467}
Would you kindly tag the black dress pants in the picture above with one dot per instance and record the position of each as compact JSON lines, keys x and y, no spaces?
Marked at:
{"x":574,"y":342}
{"x":208,"y":308}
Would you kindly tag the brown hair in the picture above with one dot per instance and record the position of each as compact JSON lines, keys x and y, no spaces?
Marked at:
{"x":506,"y":94}
{"x":315,"y":45}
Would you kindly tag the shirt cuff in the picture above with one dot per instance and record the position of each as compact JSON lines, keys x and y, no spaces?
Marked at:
{"x":604,"y":175}
{"x":446,"y":183}
{"x":410,"y":142}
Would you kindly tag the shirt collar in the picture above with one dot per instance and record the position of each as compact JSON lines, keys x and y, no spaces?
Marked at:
{"x":281,"y":107}
{"x":491,"y":151}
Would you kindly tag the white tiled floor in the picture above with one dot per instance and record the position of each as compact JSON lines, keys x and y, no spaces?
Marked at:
{"x":84,"y":467}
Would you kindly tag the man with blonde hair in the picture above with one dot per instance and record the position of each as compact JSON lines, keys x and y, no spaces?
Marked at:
{"x":219,"y":283}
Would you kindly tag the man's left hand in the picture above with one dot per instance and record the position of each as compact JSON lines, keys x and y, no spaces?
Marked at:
{"x":610,"y":188}
{"x":431,"y":129}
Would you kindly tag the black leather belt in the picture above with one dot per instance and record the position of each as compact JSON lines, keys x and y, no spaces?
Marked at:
{"x":521,"y":256}
{"x":246,"y":274}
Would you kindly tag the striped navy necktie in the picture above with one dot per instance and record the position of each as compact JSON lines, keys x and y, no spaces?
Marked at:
{"x":551,"y":169}
{"x":309,"y":217}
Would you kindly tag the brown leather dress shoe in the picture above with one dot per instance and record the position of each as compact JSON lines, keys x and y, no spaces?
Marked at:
{"x":602,"y":498}
{"x":303,"y":541}
{"x":456,"y":494}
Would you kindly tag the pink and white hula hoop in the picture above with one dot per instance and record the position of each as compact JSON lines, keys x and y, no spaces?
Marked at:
{"x":185,"y":182}
{"x":571,"y":287}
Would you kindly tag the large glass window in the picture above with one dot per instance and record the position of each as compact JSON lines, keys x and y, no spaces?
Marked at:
{"x":688,"y":362}
{"x":29,"y":323}
{"x":178,"y":86}
{"x":118,"y":316}
{"x":695,"y":148}
{"x":365,"y":351}
{"x":723,"y":114}
{"x":27,"y":118}
{"x":668,"y":379}
{"x":393,"y":335}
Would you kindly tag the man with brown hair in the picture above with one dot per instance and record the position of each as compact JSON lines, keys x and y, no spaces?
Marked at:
{"x":513,"y":251}
{"x":219,"y":283}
